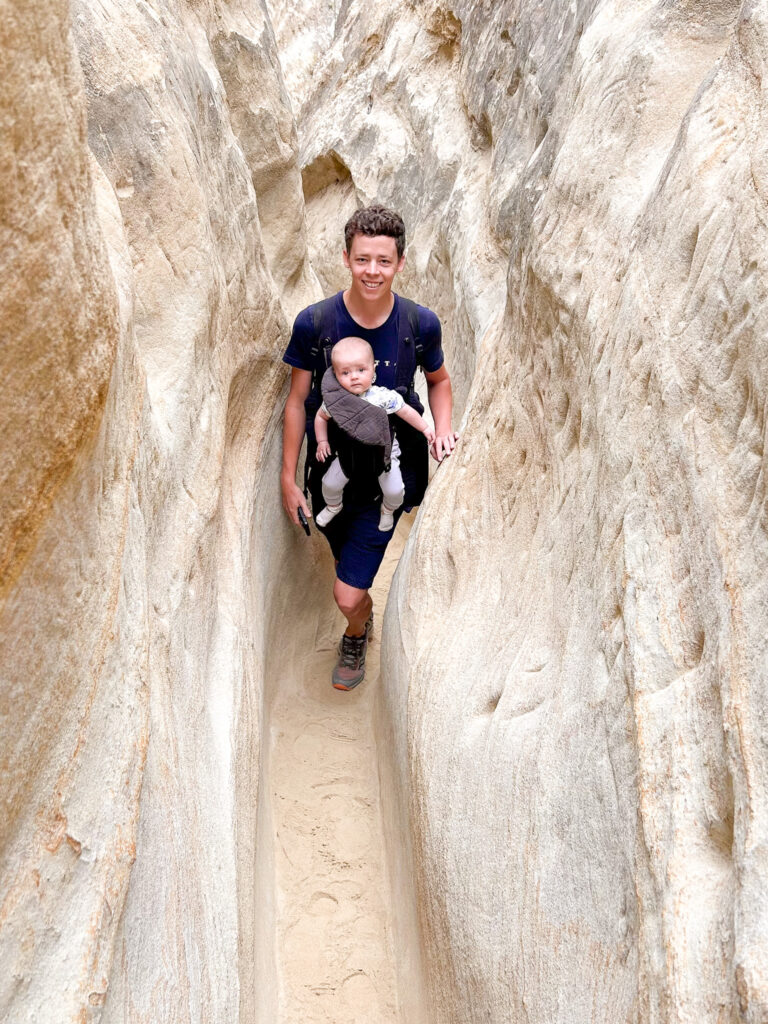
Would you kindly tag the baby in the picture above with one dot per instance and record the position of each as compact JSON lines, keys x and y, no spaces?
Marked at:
{"x":354,"y":368}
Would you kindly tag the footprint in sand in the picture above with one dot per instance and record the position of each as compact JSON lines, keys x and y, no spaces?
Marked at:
{"x":334,"y":957}
{"x":360,"y":995}
{"x":323,"y":904}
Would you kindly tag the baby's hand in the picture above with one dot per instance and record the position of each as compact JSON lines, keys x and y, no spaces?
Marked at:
{"x":429,"y":433}
{"x":323,"y":451}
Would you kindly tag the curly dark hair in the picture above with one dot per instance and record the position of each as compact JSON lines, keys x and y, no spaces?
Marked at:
{"x":376,"y":220}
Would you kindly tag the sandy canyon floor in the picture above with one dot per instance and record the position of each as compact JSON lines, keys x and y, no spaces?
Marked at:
{"x":335,"y":957}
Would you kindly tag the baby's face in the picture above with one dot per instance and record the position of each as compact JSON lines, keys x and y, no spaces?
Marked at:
{"x":354,"y":371}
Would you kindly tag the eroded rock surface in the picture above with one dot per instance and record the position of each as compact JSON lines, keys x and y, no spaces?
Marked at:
{"x":142,"y":324}
{"x":578,"y":626}
{"x":574,"y":653}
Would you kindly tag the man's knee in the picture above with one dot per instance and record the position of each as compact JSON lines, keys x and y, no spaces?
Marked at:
{"x":349,"y":599}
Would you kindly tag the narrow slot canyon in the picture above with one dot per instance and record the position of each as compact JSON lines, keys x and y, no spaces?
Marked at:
{"x":337,"y":948}
{"x":548,"y":801}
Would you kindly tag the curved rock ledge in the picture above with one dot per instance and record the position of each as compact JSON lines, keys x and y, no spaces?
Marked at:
{"x":571,"y":710}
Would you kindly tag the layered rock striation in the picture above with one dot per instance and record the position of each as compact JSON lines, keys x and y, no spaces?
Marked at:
{"x":572,"y":711}
{"x":575,"y":640}
{"x":152,"y":249}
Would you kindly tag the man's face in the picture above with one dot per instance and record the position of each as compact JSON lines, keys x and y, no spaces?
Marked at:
{"x":373,"y":263}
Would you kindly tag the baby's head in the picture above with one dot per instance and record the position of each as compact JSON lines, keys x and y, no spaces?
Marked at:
{"x":353,"y":364}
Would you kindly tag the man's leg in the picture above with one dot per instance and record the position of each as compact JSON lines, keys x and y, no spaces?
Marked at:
{"x":354,"y":604}
{"x":359,"y":552}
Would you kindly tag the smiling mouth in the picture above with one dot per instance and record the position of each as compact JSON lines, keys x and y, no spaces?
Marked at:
{"x":372,"y":284}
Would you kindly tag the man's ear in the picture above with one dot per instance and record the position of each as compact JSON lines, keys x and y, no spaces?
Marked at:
{"x":401,"y":263}
{"x":345,"y":258}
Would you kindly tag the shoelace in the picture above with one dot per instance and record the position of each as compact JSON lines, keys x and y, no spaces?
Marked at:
{"x":351,"y":650}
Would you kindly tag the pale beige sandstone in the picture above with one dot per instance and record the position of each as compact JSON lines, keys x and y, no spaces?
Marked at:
{"x":334,"y":940}
{"x":58,"y":304}
{"x":575,"y":649}
{"x":572,"y":718}
{"x":304,"y":32}
{"x":141,"y":386}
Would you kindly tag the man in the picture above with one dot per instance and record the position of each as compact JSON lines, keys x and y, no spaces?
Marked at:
{"x":368,"y":308}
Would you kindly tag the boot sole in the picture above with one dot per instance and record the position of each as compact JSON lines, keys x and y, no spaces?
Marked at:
{"x":345,"y":687}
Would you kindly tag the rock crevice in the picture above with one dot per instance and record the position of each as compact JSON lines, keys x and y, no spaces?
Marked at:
{"x":571,"y":710}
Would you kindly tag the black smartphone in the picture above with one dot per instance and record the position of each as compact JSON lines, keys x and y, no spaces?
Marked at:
{"x":303,"y":520}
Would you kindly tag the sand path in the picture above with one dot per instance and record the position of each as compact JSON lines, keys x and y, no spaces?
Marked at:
{"x":334,"y":930}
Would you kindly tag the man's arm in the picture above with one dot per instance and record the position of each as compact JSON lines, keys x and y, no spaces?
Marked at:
{"x":293,"y":435}
{"x":440,"y":399}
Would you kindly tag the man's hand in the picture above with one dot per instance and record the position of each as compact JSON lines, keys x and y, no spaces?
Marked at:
{"x":443,"y":445}
{"x":441,"y":404}
{"x":293,"y":498}
{"x":323,"y":451}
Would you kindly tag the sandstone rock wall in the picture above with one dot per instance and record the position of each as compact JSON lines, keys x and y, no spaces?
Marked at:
{"x":577,"y":628}
{"x":148,"y":149}
{"x":573,"y":726}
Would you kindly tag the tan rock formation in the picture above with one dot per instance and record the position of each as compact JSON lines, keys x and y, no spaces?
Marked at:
{"x":572,"y":709}
{"x":578,"y":625}
{"x":141,"y":388}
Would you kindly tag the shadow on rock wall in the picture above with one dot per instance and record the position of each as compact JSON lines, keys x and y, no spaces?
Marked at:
{"x":576,"y":629}
{"x":141,"y":399}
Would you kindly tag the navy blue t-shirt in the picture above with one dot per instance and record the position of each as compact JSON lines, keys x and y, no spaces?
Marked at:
{"x":383,"y":340}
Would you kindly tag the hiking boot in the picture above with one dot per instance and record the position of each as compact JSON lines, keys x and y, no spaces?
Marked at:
{"x":350,"y":668}
{"x":325,"y":515}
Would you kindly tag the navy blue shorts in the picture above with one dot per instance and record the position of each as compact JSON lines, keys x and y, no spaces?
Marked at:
{"x":357,"y":543}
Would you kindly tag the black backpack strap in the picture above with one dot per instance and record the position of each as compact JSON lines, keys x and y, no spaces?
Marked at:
{"x":325,"y":337}
{"x":412,"y":313}
{"x":414,"y":457}
{"x":410,"y":350}
{"x":324,"y":324}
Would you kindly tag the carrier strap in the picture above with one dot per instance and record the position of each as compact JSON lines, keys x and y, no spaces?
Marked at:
{"x":410,"y":352}
{"x":410,"y":349}
{"x":326,"y":336}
